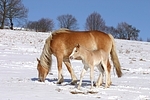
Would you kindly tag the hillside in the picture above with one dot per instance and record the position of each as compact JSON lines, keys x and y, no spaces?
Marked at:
{"x":18,"y":73}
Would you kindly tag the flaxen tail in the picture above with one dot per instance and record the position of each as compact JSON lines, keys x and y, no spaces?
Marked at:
{"x":114,"y":57}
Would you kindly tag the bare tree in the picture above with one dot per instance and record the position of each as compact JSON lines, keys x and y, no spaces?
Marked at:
{"x":111,"y":30}
{"x":67,"y":21}
{"x":95,"y":22}
{"x":42,"y":25}
{"x":126,"y":31}
{"x":45,"y":25}
{"x":32,"y":25}
{"x":12,"y":9}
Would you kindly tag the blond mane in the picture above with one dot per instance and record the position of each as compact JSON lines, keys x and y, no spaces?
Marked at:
{"x":60,"y":30}
{"x":45,"y":58}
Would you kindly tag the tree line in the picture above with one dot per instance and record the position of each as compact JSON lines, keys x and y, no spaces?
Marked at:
{"x":93,"y":22}
{"x":14,"y":9}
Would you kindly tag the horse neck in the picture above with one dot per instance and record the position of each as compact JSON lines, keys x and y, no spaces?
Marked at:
{"x":45,"y":58}
{"x":85,"y":54}
{"x":44,"y":61}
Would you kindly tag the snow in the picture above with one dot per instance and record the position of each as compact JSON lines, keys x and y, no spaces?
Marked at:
{"x":18,"y":73}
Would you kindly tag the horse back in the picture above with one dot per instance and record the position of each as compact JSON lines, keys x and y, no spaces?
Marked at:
{"x":64,"y":42}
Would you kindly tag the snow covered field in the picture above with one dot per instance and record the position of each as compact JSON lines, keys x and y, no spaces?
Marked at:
{"x":18,"y":74}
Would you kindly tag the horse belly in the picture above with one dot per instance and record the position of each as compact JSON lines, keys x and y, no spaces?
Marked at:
{"x":97,"y":57}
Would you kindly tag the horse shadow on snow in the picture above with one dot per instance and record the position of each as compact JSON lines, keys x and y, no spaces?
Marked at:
{"x":66,"y":81}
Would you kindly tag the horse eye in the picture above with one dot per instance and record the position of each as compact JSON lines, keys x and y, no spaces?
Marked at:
{"x":76,"y":51}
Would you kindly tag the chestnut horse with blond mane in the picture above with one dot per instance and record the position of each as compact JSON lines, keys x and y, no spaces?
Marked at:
{"x":61,"y":43}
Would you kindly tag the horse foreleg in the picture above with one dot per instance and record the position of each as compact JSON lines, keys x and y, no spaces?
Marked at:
{"x":91,"y":75}
{"x":59,"y":65}
{"x":109,"y":79}
{"x":81,"y":76}
{"x":70,"y":69}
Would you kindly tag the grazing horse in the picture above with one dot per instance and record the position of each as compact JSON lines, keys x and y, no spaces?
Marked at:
{"x":91,"y":59}
{"x":61,"y":43}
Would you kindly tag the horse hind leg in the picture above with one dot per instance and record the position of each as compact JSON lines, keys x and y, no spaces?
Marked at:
{"x":70,"y":69}
{"x":104,"y":63}
{"x":91,"y":75}
{"x":101,"y":74}
{"x":109,"y":75}
{"x":59,"y":65}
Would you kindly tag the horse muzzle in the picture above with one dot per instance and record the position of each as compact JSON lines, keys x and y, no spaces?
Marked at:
{"x":71,"y":57}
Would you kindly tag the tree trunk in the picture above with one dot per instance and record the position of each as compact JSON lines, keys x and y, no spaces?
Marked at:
{"x":2,"y":24}
{"x":3,"y":20}
{"x":11,"y":24}
{"x":3,"y":16}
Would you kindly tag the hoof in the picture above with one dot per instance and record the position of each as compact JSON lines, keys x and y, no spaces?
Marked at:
{"x":106,"y":86}
{"x":59,"y":82}
{"x":97,"y":85}
{"x":94,"y":84}
{"x":78,"y":88}
{"x":39,"y":80}
{"x":110,"y":83}
{"x":74,"y":82}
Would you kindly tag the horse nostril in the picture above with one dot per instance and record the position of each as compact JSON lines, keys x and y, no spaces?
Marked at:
{"x":71,"y":57}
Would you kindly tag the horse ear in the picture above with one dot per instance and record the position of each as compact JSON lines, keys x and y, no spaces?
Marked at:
{"x":38,"y":60}
{"x":78,"y":45}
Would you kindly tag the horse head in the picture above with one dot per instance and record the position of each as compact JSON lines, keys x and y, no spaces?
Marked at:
{"x":75,"y":52}
{"x":42,"y":71}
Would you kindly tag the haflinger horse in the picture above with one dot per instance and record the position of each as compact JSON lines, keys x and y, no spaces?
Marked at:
{"x":61,"y":43}
{"x":90,"y":59}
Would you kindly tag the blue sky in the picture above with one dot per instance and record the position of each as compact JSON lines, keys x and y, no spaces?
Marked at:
{"x":134,"y":12}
